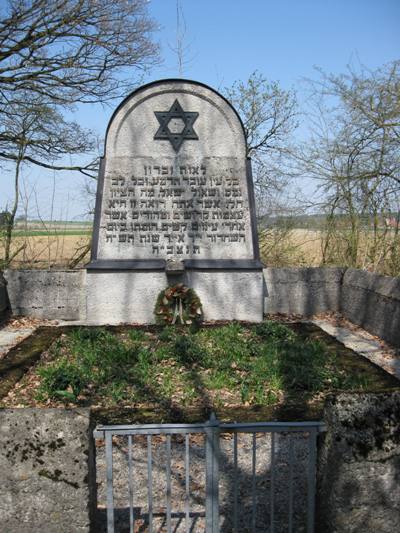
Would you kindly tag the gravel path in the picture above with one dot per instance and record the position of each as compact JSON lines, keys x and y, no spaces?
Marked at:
{"x":282,"y":474}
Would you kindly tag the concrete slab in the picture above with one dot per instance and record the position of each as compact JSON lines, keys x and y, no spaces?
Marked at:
{"x":9,"y":337}
{"x":364,"y":344}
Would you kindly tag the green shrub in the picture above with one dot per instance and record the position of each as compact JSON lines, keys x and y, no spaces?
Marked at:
{"x":89,"y":334}
{"x":305,"y":367}
{"x":259,"y":364}
{"x":274,"y":331}
{"x":137,"y":335}
{"x":62,"y":379}
{"x":187,"y":349}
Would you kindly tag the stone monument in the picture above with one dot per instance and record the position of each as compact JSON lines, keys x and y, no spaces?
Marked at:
{"x":175,"y":203}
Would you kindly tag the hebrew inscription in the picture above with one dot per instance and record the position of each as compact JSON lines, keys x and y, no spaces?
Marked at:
{"x":164,"y":208}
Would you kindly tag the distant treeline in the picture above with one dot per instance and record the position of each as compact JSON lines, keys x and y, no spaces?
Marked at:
{"x":319,"y":221}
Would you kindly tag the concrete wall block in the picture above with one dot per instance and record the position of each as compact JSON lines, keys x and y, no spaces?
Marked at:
{"x":130,"y":297}
{"x":373,"y":302}
{"x":122,"y":297}
{"x":305,"y":291}
{"x":47,"y":471}
{"x":229,"y":295}
{"x":383,"y":285}
{"x":358,"y":485}
{"x":46,"y":293}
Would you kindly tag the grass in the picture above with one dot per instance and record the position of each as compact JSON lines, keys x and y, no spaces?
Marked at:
{"x":228,"y":365}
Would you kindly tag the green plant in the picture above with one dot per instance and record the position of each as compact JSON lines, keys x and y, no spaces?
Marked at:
{"x":117,"y":391}
{"x":168,"y":333}
{"x":274,"y":331}
{"x":307,"y":369}
{"x":137,"y":335}
{"x":89,"y":334}
{"x":188,"y":350}
{"x":63,"y":379}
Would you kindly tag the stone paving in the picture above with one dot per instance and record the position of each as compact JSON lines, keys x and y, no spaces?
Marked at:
{"x":10,"y":336}
{"x":364,"y":344}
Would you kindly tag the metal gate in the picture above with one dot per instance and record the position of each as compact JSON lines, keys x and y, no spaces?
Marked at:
{"x":262,"y":478}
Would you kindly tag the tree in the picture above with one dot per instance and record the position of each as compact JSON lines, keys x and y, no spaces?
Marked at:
{"x":64,"y":52}
{"x":74,"y":50}
{"x":269,"y":115}
{"x":56,"y":54}
{"x":354,"y":152}
{"x":33,"y":131}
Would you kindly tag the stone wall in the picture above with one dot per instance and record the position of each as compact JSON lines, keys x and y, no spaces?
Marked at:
{"x":369,"y":300}
{"x":3,"y":297}
{"x":303,"y":291}
{"x":373,"y":302}
{"x":46,"y":293}
{"x":358,"y":485}
{"x":47,"y":471}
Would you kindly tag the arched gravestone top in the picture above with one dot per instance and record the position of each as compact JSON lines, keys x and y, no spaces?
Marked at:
{"x":175,"y":183}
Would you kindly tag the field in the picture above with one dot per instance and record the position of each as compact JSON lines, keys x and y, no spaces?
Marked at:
{"x":59,"y":244}
{"x":67,"y":244}
{"x":45,"y":245}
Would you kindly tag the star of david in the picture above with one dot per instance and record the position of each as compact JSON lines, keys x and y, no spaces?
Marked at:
{"x":176,"y":138}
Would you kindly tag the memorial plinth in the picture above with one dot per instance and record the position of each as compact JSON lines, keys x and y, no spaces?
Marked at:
{"x":175,"y":202}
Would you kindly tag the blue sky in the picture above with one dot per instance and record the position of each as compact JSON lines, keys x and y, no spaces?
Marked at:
{"x":283,"y":39}
{"x":228,"y":40}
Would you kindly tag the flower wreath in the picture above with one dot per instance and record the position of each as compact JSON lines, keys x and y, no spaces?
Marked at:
{"x":178,"y":304}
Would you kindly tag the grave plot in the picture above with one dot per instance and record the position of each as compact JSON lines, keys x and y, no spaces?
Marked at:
{"x":237,"y":370}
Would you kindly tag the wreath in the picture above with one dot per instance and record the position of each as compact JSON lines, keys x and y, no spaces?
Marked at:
{"x":178,"y":304}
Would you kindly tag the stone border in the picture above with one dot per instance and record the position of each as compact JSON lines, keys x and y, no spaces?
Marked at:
{"x":302,"y":291}
{"x":372,"y":301}
{"x":358,"y":464}
{"x":47,"y":470}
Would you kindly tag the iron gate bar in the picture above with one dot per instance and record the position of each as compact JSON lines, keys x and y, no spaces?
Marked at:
{"x":253,"y":485}
{"x":195,"y":428}
{"x":130,"y":473}
{"x":168,"y":479}
{"x":311,"y":482}
{"x":269,"y":427}
{"x":291,"y":484}
{"x":211,"y":430}
{"x":187,"y":483}
{"x":150,"y":483}
{"x":235,"y":487}
{"x":272,"y":510}
{"x":110,"y":496}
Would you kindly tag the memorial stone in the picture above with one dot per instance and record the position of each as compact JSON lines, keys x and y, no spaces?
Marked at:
{"x":175,"y":202}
